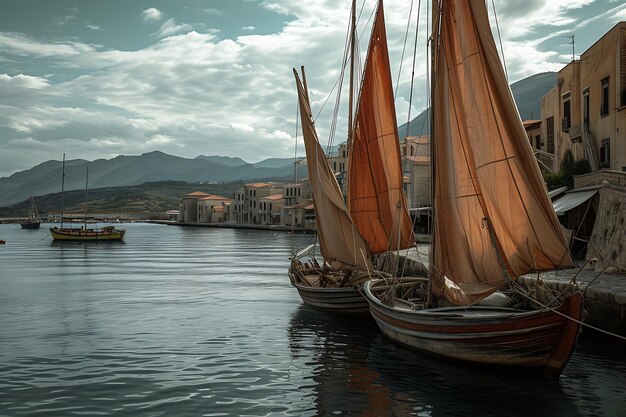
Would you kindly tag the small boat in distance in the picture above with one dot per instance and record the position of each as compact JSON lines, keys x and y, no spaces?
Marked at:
{"x":34,"y":220}
{"x":106,"y":233}
{"x":83,"y":234}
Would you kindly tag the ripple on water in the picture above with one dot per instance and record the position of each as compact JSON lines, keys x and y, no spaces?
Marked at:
{"x":189,"y":322}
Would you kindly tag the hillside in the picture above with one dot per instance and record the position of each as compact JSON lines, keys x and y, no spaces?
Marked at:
{"x":151,"y":196}
{"x":527,"y":93}
{"x":134,"y":170}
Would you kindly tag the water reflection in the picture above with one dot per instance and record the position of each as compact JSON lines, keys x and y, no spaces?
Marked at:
{"x":350,"y":369}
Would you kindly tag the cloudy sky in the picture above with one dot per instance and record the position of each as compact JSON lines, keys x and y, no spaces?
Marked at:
{"x":100,"y":78}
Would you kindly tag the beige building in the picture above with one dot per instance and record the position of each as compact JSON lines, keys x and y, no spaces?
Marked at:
{"x":415,"y":152}
{"x":252,"y":194}
{"x":534,"y":131}
{"x":270,"y":208}
{"x":207,"y":206}
{"x":585,"y":114}
{"x":236,"y":210}
{"x":296,"y":196}
{"x":188,"y":211}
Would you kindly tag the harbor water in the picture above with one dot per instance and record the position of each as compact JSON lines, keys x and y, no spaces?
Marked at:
{"x":184,"y":321}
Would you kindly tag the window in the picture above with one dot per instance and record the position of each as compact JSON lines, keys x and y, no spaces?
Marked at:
{"x":538,"y":142}
{"x":567,"y":120}
{"x":550,"y":134}
{"x":605,"y":154}
{"x":622,"y":69}
{"x":604,"y":106}
{"x":586,"y":106}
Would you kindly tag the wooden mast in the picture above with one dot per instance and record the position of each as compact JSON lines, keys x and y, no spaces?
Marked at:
{"x":86,"y":188}
{"x":63,"y":191}
{"x":351,"y":91}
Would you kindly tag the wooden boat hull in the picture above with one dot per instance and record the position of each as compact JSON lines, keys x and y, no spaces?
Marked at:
{"x":30,"y":225}
{"x":539,"y":339}
{"x":332,"y":299}
{"x":81,"y":235}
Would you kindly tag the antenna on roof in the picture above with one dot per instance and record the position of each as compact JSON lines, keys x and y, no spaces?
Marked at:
{"x":571,"y":43}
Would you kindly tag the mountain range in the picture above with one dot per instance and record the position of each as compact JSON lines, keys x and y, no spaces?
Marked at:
{"x":154,"y":166}
{"x":157,"y":166}
{"x":527,"y":94}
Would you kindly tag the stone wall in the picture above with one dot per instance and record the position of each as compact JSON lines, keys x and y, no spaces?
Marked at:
{"x":608,"y":239}
{"x":606,"y":177}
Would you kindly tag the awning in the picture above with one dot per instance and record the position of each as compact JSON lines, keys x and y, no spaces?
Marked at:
{"x":555,"y":193}
{"x":571,"y":200}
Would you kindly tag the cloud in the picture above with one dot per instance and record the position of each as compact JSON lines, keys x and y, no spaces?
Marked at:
{"x":19,"y":44}
{"x":249,"y":28}
{"x":24,"y":81}
{"x":151,"y":15}
{"x":215,"y":12}
{"x":169,"y":27}
{"x":94,"y":27}
{"x":193,"y":92}
{"x":63,"y":20}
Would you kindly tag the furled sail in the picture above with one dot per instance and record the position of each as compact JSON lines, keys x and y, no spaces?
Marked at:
{"x":376,"y":197}
{"x":340,"y":243}
{"x":493,"y":217}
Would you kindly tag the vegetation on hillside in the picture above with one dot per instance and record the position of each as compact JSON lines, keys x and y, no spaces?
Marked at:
{"x":147,"y":197}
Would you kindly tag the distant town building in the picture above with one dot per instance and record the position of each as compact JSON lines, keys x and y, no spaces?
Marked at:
{"x":211,"y":208}
{"x":189,"y":206}
{"x":297,"y":197}
{"x":415,"y":151}
{"x":270,"y":209}
{"x":252,"y":193}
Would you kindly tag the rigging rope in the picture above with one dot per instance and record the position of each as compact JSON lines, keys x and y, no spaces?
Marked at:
{"x":495,"y":15}
{"x":408,"y":123}
{"x":406,"y":35}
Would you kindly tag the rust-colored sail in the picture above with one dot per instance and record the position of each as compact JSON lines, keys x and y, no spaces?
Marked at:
{"x":492,"y":213}
{"x":340,"y":243}
{"x":376,"y":197}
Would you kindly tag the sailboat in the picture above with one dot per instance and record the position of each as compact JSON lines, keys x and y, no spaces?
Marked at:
{"x":493,"y":221}
{"x":83,"y":234}
{"x":34,"y":220}
{"x":332,"y":284}
{"x":376,"y":219}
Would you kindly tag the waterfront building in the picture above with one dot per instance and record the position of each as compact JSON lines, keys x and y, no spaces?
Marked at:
{"x":416,"y":165}
{"x":297,"y":196}
{"x":206,"y":208}
{"x":252,"y":193}
{"x":339,"y":163}
{"x":189,"y":206}
{"x":270,"y":208}
{"x":236,"y":210}
{"x":585,"y":114}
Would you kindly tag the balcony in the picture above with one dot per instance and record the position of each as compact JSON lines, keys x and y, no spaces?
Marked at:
{"x":566,"y":123}
{"x":575,"y":133}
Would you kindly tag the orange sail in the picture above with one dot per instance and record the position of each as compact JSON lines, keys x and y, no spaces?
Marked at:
{"x":376,"y":198}
{"x":340,"y":243}
{"x":493,"y":219}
